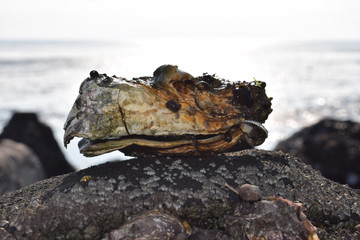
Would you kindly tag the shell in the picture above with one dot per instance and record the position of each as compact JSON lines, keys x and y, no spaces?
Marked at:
{"x":170,"y":113}
{"x":151,"y":226}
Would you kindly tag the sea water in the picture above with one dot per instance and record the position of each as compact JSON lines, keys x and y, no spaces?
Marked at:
{"x":307,"y":80}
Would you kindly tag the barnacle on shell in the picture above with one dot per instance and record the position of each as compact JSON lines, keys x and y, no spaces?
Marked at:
{"x":169,"y":113}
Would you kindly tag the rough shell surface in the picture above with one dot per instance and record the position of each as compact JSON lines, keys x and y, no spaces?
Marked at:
{"x":152,"y":225}
{"x":172,"y":112}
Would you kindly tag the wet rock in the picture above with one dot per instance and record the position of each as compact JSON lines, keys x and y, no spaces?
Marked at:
{"x":27,"y":129}
{"x":330,"y":146}
{"x":189,"y":188}
{"x":19,"y":166}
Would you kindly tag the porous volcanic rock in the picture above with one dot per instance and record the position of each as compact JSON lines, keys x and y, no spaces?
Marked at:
{"x":93,"y":202}
{"x":27,"y":129}
{"x":330,"y":146}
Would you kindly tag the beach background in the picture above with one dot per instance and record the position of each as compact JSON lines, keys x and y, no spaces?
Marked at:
{"x":308,"y":54}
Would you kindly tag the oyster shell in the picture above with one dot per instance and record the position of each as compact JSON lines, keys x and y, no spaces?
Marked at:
{"x":169,"y":113}
{"x":150,"y":226}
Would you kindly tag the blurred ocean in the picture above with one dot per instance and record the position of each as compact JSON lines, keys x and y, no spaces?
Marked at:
{"x":308,"y":80}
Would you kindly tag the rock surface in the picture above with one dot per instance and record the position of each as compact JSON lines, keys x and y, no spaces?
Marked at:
{"x":330,"y":146}
{"x":27,"y":129}
{"x":93,"y":202}
{"x":19,"y":166}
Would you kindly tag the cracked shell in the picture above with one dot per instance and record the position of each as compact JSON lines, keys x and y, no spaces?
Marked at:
{"x":170,"y":113}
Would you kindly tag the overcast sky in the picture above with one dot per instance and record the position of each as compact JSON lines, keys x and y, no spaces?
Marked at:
{"x":116,"y":19}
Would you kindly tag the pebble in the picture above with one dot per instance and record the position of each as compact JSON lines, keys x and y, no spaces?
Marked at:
{"x":249,"y":193}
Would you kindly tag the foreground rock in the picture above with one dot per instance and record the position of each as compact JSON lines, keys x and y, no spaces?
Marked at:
{"x":19,"y":166}
{"x":27,"y":129}
{"x":330,"y":146}
{"x":93,"y":202}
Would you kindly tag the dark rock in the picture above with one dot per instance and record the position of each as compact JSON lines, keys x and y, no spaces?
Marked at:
{"x":330,"y":146}
{"x":201,"y":234}
{"x":189,"y":188}
{"x":19,"y":166}
{"x":26,"y":128}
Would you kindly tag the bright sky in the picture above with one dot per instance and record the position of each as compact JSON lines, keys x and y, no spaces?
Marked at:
{"x":116,"y":19}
